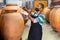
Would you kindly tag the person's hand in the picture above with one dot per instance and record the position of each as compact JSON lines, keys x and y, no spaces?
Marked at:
{"x":24,"y":12}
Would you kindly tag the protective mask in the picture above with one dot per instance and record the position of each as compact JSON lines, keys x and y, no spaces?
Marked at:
{"x":36,"y":9}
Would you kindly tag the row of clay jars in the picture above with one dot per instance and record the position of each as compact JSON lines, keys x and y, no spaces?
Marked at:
{"x":52,"y":16}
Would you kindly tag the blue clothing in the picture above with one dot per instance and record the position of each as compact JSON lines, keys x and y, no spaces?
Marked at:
{"x":40,"y":18}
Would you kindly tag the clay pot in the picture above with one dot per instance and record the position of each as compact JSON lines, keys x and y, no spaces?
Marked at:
{"x":54,"y":19}
{"x":0,"y":10}
{"x":55,"y":0}
{"x":11,"y":23}
{"x":46,"y":11}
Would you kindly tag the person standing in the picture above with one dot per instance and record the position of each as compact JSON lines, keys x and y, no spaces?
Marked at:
{"x":37,"y":20}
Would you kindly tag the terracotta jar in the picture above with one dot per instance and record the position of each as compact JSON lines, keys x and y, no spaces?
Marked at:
{"x":11,"y":22}
{"x":0,"y":10}
{"x":54,"y":19}
{"x":46,"y":11}
{"x":55,"y":0}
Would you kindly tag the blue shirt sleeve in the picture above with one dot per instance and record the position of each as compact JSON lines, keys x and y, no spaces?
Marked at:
{"x":40,"y":19}
{"x":32,"y":13}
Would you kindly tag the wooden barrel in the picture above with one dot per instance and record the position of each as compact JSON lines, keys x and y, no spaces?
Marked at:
{"x":11,"y":23}
{"x":46,"y":11}
{"x":54,"y":18}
